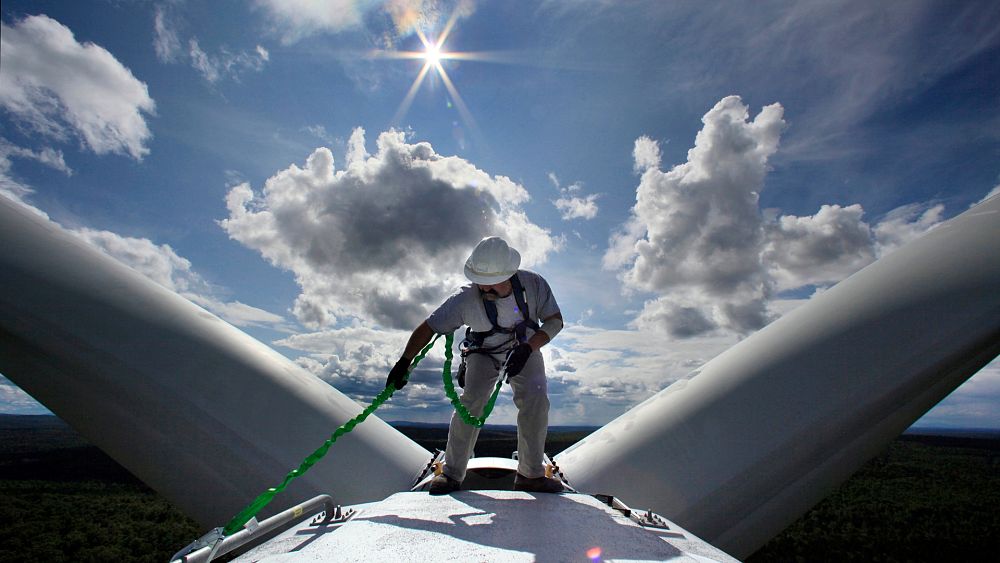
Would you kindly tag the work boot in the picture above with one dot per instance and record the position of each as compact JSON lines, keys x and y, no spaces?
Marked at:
{"x":442,"y":485}
{"x":537,"y":484}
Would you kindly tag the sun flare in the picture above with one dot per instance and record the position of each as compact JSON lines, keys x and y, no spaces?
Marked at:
{"x":433,"y":54}
{"x":435,"y":58}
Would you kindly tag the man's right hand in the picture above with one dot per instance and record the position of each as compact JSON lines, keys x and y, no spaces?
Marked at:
{"x":397,"y":376}
{"x":517,"y":358}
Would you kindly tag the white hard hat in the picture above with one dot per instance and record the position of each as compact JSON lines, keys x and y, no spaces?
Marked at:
{"x":492,"y":261}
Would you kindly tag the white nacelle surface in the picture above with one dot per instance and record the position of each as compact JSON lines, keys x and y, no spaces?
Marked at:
{"x":502,"y":526}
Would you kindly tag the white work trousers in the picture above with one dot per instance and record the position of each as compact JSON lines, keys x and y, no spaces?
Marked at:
{"x":532,"y":402}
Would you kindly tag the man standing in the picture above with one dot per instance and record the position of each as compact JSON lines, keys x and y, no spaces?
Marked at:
{"x":501,"y":308}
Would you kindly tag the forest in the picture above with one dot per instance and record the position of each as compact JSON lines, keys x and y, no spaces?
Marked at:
{"x":927,"y":497}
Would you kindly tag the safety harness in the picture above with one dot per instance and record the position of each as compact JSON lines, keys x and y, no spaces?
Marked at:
{"x":474,"y":341}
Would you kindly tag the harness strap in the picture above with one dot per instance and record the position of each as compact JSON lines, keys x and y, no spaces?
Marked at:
{"x":519,"y":330}
{"x":473,"y":342}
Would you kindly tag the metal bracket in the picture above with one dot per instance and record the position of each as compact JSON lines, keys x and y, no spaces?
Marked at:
{"x":650,"y":519}
{"x":336,"y":516}
{"x":647,"y":519}
{"x":433,"y":465}
{"x":212,"y":538}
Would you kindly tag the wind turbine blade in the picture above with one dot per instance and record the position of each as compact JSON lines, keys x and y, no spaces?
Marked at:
{"x":199,"y":410}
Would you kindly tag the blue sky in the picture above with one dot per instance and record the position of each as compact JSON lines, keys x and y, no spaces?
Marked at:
{"x":280,"y":164}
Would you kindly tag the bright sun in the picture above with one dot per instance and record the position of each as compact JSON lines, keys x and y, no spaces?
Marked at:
{"x":434,"y":57}
{"x":433,"y":54}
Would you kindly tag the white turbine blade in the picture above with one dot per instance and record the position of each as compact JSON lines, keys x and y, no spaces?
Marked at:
{"x":769,"y":427}
{"x":200,"y":411}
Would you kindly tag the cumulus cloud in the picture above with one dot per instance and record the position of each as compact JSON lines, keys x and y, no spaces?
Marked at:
{"x":697,"y":239}
{"x":60,"y":88}
{"x":820,"y":249}
{"x":572,"y":204}
{"x":356,"y":361}
{"x":695,"y":231}
{"x":383,"y":239}
{"x":904,"y":224}
{"x":163,"y":265}
{"x":645,"y":154}
{"x":577,"y":207}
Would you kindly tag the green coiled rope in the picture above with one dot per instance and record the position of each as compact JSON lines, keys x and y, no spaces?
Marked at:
{"x":449,"y":389}
{"x":264,"y":498}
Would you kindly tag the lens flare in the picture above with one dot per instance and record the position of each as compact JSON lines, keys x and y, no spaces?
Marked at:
{"x":435,"y":57}
{"x":433,"y":54}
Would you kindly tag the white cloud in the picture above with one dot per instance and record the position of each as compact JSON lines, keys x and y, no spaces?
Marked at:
{"x":9,"y":184}
{"x":571,"y":205}
{"x":577,"y":207}
{"x":695,"y":231}
{"x":302,"y":18}
{"x":698,"y":240}
{"x":225,"y":63}
{"x":158,"y":263}
{"x":356,"y":360}
{"x":383,"y":239}
{"x":320,"y":133}
{"x":646,"y":154}
{"x":237,"y":313}
{"x":60,"y":88}
{"x":904,"y":224}
{"x":357,"y":154}
{"x":200,"y":61}
{"x":602,"y":373}
{"x":819,"y":249}
{"x":212,"y":67}
{"x":585,"y":371}
{"x":166,"y":42}
{"x":162,"y":265}
{"x":825,"y":248}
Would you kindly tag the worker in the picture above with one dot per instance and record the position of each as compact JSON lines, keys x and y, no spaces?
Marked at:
{"x":501,"y":307}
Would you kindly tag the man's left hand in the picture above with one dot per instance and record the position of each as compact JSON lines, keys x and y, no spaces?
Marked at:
{"x":518,"y":357}
{"x":398,"y":374}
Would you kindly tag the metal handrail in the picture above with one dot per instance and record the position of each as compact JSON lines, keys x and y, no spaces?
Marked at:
{"x":205,"y":550}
